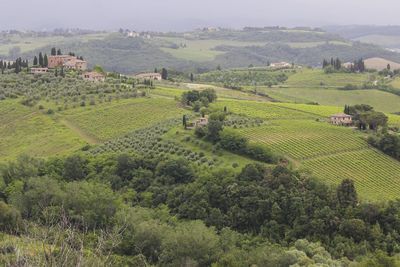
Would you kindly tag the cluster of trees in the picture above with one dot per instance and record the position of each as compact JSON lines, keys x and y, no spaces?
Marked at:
{"x":17,"y":65}
{"x":43,"y":61}
{"x":357,"y":66}
{"x":334,"y":63}
{"x":222,"y":217}
{"x":55,"y":52}
{"x":387,"y":143}
{"x":198,"y":99}
{"x":365,"y":116}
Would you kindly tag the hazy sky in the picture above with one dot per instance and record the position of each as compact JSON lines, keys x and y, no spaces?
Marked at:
{"x":188,"y":14}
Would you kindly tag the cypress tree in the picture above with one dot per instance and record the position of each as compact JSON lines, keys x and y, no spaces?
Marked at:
{"x":56,"y":72}
{"x":184,"y":121}
{"x":191,"y":77}
{"x":35,"y":61}
{"x":53,"y":51}
{"x":41,"y":59}
{"x":59,"y":52}
{"x":164,"y":74}
{"x":45,"y":61}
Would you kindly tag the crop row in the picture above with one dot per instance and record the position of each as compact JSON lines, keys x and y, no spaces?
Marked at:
{"x":301,"y":139}
{"x":375,"y":174}
{"x":261,"y":110}
{"x":120,"y":118}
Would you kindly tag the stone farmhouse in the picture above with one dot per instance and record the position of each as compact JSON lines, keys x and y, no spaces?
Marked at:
{"x":67,"y":61}
{"x":149,"y":76}
{"x":39,"y":70}
{"x":280,"y":64}
{"x":195,"y":123}
{"x":341,"y":118}
{"x":93,"y":77}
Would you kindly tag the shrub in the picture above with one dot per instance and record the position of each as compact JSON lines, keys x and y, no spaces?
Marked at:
{"x":260,"y":152}
{"x":50,"y":111}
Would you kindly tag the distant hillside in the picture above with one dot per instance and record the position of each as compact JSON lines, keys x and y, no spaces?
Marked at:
{"x":384,"y":36}
{"x":129,"y":52}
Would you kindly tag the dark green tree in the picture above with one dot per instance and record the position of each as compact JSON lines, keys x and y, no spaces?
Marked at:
{"x":191,"y":77}
{"x":59,"y":52}
{"x":41,"y":63}
{"x":53,"y":51}
{"x":184,"y":121}
{"x":35,"y":61}
{"x":45,"y":61}
{"x":164,"y":74}
{"x":346,"y":193}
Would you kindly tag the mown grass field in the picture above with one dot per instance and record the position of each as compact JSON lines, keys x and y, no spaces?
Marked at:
{"x":27,"y":131}
{"x":106,"y":121}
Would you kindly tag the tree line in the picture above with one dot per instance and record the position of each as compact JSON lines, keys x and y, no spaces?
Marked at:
{"x":152,"y":197}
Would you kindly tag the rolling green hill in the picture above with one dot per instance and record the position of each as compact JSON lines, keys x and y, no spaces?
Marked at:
{"x":200,"y":48}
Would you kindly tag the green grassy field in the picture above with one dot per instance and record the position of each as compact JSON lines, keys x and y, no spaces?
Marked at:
{"x":28,"y":131}
{"x":106,"y":121}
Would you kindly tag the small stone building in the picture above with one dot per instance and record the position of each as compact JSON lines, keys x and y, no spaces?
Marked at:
{"x":149,"y":76}
{"x":93,"y":77}
{"x":195,"y":123}
{"x":341,"y":118}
